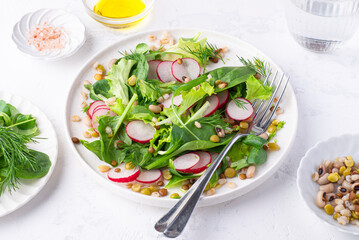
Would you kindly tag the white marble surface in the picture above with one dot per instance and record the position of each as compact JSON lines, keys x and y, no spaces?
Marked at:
{"x":73,"y":206}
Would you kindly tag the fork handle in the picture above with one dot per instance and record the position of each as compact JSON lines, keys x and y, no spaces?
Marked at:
{"x":173,"y":223}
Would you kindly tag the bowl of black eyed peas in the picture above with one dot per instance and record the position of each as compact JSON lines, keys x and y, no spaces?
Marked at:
{"x":328,"y":182}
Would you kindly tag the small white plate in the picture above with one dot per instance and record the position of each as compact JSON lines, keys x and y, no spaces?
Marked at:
{"x":47,"y":143}
{"x":344,"y":145}
{"x":236,"y":47}
{"x":74,"y":31}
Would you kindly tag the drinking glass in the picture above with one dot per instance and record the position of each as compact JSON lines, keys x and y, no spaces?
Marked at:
{"x":322,"y":25}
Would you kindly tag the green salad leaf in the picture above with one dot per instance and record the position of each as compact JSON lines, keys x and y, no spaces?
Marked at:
{"x":117,"y":78}
{"x":257,"y":90}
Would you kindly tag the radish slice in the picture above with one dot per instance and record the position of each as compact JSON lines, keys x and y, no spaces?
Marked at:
{"x":185,"y":162}
{"x":189,"y":68}
{"x":213,"y":105}
{"x":149,"y":176}
{"x":164,"y":72}
{"x":93,"y":105}
{"x":176,"y":101}
{"x":96,"y":117}
{"x":223,"y":98}
{"x":98,"y":108}
{"x":139,"y":131}
{"x":240,"y":113}
{"x":152,"y":68}
{"x":202,"y":164}
{"x":125,"y":175}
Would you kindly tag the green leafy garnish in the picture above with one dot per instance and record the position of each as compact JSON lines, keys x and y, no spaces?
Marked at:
{"x":257,"y":65}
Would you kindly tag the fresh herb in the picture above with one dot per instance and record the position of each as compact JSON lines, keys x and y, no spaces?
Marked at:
{"x":203,"y":54}
{"x":239,"y":103}
{"x":257,"y":65}
{"x":16,"y":159}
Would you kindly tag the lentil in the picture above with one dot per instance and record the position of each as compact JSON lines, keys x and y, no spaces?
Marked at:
{"x":75,"y":140}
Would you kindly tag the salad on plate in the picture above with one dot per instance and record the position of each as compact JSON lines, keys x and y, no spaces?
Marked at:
{"x":159,"y":117}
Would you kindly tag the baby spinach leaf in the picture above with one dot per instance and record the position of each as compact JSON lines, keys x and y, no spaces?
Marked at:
{"x":94,"y":147}
{"x":40,"y":169}
{"x":231,"y":75}
{"x":255,"y":141}
{"x":257,"y":156}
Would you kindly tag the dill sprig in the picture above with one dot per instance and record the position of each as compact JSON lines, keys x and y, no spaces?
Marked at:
{"x":14,"y":151}
{"x":239,"y":103}
{"x":257,"y":65}
{"x":203,"y":54}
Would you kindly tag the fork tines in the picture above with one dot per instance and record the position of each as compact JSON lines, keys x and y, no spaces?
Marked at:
{"x":263,"y":117}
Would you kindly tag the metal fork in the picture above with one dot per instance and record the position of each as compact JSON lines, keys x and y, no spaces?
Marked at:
{"x":173,"y":223}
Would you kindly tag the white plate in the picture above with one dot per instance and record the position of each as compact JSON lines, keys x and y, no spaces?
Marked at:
{"x":28,"y":188}
{"x":74,"y":31}
{"x":236,"y":47}
{"x":345,"y":145}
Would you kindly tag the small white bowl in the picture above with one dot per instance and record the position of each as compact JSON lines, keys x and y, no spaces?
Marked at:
{"x":344,"y":145}
{"x":74,"y":32}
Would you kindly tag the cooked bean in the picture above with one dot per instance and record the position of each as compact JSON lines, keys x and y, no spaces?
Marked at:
{"x":330,"y":197}
{"x":154,"y":108}
{"x":321,"y":170}
{"x":323,"y":179}
{"x":75,"y":140}
{"x":250,"y":171}
{"x":328,"y":188}
{"x":320,"y":199}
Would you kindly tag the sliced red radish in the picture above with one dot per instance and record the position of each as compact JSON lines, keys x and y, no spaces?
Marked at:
{"x":239,"y":113}
{"x":223,"y":98}
{"x":202,"y":164}
{"x":98,"y":108}
{"x":213,"y":105}
{"x":164,"y":72}
{"x":186,"y":161}
{"x":139,"y":131}
{"x":176,"y":101}
{"x":188,"y":68}
{"x":152,"y":69}
{"x":149,"y":176}
{"x":93,"y":105}
{"x":96,"y":117}
{"x":124,"y":175}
